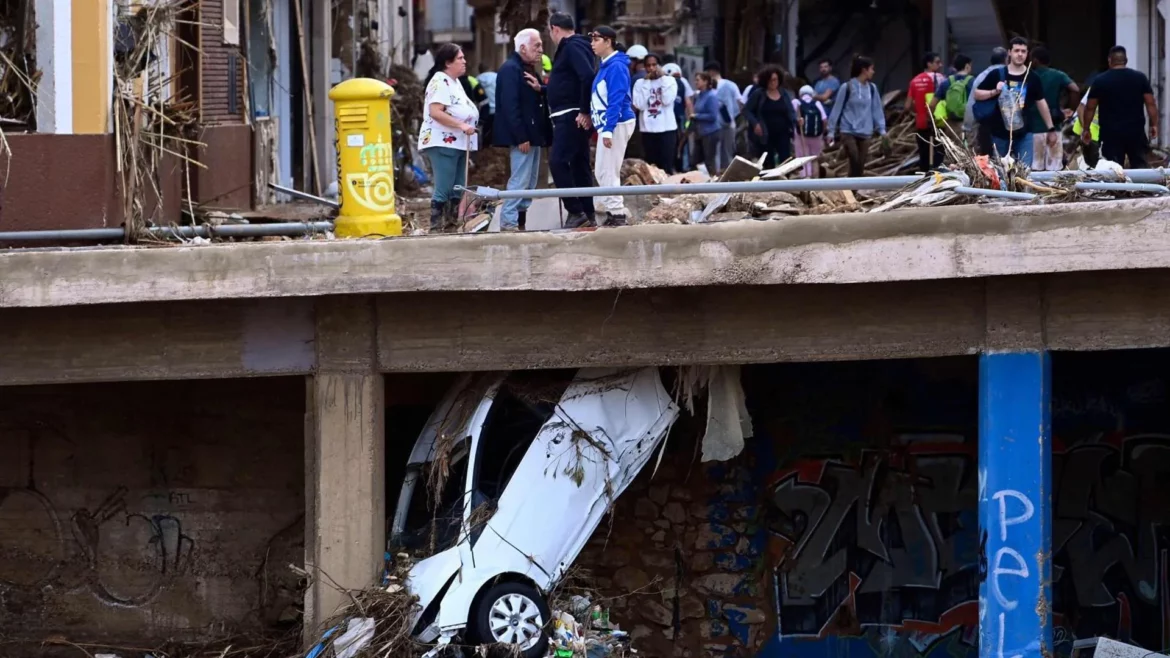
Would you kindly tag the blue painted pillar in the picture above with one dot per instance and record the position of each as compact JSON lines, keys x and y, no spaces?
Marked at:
{"x":1015,"y":505}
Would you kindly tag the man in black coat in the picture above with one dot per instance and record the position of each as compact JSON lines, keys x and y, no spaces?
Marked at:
{"x":569,"y":92}
{"x":522,"y":123}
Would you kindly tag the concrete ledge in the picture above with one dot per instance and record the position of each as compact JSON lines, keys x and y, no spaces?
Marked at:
{"x":948,"y":243}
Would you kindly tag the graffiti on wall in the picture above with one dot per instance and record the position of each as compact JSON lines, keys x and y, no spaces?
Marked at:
{"x":90,"y":550}
{"x":1111,"y":524}
{"x":888,"y":540}
{"x":884,"y":545}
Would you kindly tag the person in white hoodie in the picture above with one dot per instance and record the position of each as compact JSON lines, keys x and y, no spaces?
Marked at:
{"x":654,"y":97}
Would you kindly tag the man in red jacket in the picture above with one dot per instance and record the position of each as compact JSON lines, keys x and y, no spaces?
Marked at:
{"x":922,"y":89}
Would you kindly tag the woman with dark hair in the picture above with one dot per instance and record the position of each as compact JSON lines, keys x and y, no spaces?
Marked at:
{"x":708,"y":121}
{"x":770,"y":117}
{"x":448,"y":134}
{"x":857,"y":115}
{"x":654,"y":98}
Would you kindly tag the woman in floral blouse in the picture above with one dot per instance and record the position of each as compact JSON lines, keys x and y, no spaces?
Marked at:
{"x":448,"y":133}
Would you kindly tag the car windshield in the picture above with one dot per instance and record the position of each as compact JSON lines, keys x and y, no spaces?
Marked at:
{"x":433,"y":521}
{"x":521,"y":406}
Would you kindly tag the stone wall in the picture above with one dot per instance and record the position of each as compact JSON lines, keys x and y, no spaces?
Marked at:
{"x":150,"y":512}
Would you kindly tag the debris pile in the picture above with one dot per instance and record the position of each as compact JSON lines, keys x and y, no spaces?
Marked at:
{"x":376,"y":622}
{"x":406,"y":109}
{"x":19,"y":74}
{"x":581,"y":629}
{"x":149,"y":123}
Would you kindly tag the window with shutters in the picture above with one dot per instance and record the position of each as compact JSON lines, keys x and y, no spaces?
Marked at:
{"x":231,"y":22}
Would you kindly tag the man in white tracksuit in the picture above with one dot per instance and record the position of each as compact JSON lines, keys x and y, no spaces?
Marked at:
{"x":613,"y":117}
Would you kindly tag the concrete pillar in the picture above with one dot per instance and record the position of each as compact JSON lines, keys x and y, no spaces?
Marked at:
{"x":54,"y":37}
{"x":1133,"y":31}
{"x":345,"y":515}
{"x":1015,"y":508}
{"x":939,"y":33}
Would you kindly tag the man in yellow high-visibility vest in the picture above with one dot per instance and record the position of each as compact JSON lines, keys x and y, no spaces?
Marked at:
{"x":1092,"y":148}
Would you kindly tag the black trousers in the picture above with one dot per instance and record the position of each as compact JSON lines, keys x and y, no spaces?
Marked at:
{"x":568,"y":161}
{"x":1118,"y":147}
{"x":778,"y":147}
{"x":660,"y":149}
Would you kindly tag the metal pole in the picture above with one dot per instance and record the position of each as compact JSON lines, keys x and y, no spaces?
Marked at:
{"x":1123,"y":187}
{"x":297,"y":194}
{"x":1157,"y":176}
{"x":202,"y":231}
{"x":995,"y":194}
{"x":802,"y":185}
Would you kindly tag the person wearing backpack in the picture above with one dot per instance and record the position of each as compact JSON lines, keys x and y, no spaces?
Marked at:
{"x":811,"y":119}
{"x":1004,"y":99}
{"x":770,"y":117}
{"x":857,"y":114}
{"x":950,"y":103}
{"x":919,"y":99}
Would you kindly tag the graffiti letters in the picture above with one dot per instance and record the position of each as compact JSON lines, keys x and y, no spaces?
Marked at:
{"x":1010,"y":573}
{"x":897,"y":526}
{"x":1110,"y":521}
{"x":153,"y":546}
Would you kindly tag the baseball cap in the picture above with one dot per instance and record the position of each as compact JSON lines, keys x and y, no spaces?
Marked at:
{"x":637,"y":51}
{"x":605,"y":32}
{"x":672,"y":69}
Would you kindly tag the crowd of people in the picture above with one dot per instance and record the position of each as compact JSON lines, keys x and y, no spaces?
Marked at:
{"x":594,"y":98}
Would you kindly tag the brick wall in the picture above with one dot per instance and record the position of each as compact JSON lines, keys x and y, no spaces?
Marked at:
{"x":217,"y":71}
{"x":137,"y":513}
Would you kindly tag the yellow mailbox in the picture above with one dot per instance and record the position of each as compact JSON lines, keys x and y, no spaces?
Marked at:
{"x":365,"y":159}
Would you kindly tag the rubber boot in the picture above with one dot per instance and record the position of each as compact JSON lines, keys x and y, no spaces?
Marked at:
{"x":522,"y":221}
{"x":438,"y":215}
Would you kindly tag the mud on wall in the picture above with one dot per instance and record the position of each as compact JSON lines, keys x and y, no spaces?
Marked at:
{"x":150,"y":511}
{"x":852,"y":527}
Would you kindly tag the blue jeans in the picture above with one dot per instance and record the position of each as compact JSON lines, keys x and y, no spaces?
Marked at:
{"x":525,"y":172}
{"x":1022,"y":149}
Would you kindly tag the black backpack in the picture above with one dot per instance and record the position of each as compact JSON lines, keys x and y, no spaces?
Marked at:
{"x":814,"y":125}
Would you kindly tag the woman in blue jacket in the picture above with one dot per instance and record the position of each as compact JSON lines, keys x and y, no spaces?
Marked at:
{"x":708,"y":122}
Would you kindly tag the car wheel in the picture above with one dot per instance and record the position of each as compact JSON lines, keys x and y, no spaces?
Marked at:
{"x":513,"y":614}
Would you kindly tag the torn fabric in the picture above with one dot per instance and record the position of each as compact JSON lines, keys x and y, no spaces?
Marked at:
{"x":728,"y":422}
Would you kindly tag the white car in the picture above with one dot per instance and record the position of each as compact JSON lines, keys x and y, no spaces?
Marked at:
{"x":541,"y":456}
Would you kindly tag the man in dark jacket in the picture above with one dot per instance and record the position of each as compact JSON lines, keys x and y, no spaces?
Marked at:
{"x":522,"y":124}
{"x":569,"y":92}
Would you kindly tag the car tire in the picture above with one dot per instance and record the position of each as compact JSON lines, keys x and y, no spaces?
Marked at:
{"x":513,"y":613}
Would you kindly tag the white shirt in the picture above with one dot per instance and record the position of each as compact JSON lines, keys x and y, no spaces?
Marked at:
{"x":447,"y":91}
{"x":654,"y":100}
